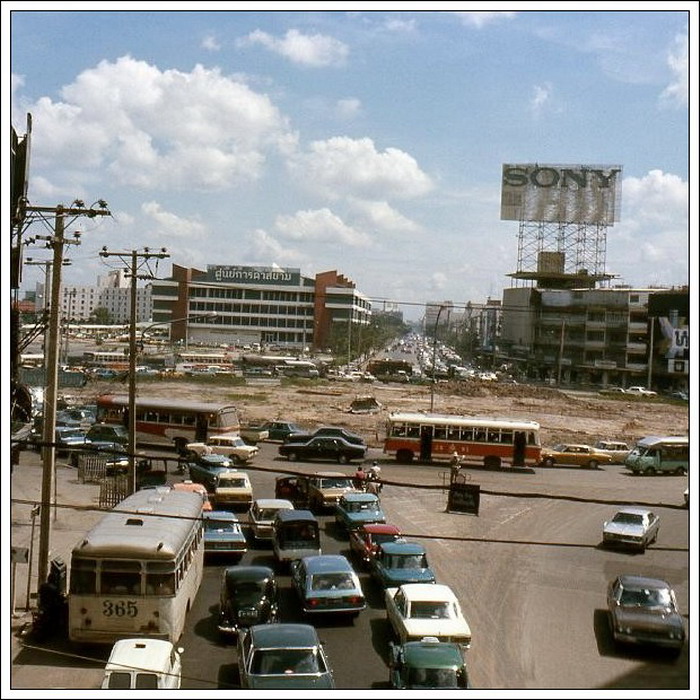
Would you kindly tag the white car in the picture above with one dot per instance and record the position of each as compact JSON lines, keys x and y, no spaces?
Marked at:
{"x":418,"y":610}
{"x":261,"y":515}
{"x":631,"y":527}
{"x":143,"y":664}
{"x":617,"y":450}
{"x":640,"y":391}
{"x":229,"y":445}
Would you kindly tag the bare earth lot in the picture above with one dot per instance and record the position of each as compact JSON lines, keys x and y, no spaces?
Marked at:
{"x":564,"y":416}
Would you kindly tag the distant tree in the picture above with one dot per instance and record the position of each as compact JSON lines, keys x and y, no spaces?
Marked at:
{"x":101,"y":316}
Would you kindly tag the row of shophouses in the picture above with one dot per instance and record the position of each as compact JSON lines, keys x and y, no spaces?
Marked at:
{"x":594,"y":336}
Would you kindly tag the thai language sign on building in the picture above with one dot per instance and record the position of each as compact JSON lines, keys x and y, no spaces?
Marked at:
{"x":238,"y":274}
{"x":586,"y":194}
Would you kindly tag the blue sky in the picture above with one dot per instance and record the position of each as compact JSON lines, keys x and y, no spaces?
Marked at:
{"x":370,"y":142}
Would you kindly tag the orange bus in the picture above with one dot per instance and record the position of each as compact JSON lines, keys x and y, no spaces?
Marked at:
{"x":432,"y":436}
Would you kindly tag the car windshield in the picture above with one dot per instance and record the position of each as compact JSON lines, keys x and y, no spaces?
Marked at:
{"x":432,"y":678}
{"x":646,"y":597}
{"x":214,"y":525}
{"x":372,"y":507}
{"x":231,"y":483}
{"x":433,"y":610}
{"x":273,"y":662}
{"x":338,"y":483}
{"x":408,"y":561}
{"x":267,"y":513}
{"x":247,"y":592}
{"x":331,"y":582}
{"x":381,"y":538}
{"x":629,"y":519}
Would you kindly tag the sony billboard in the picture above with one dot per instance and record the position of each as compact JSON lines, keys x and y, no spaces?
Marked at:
{"x":586,"y":194}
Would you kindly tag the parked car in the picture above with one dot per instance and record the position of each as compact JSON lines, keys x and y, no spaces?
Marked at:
{"x":248,"y":596}
{"x":396,"y":563}
{"x":644,"y":611}
{"x":261,"y":516}
{"x":366,"y":539}
{"x":327,"y":584}
{"x":612,"y":390}
{"x":631,"y":527}
{"x":574,"y":455}
{"x":640,"y":391}
{"x":223,"y":534}
{"x":68,"y":439}
{"x":75,"y":418}
{"x":105,"y":432}
{"x":617,"y":450}
{"x":192,"y":487}
{"x":327,"y":448}
{"x":356,"y":508}
{"x":115,"y":455}
{"x":427,"y":664}
{"x":279,"y":430}
{"x":418,"y":610}
{"x":327,"y":431}
{"x":282,"y":656}
{"x":143,"y":664}
{"x":205,"y":469}
{"x":229,"y":445}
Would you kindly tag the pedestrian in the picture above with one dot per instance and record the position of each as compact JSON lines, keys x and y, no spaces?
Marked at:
{"x":359,"y":478}
{"x":455,"y":466}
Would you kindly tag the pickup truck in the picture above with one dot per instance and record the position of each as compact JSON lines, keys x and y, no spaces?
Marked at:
{"x":253,"y":434}
{"x":230,"y":445}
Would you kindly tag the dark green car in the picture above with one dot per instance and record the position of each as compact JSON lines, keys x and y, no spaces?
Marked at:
{"x":428,"y":663}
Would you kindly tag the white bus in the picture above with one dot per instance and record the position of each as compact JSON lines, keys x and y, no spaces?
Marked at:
{"x":137,"y":572}
{"x":432,"y":436}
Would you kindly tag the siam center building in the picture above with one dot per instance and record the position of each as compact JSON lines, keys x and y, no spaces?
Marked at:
{"x":234,"y":304}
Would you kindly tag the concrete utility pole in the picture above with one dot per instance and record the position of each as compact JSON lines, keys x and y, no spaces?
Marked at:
{"x":133,"y":261}
{"x":57,"y":243}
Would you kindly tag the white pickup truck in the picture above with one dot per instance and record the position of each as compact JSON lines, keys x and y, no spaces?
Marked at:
{"x":230,"y":445}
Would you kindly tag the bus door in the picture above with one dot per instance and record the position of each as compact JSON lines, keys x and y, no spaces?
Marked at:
{"x":519,"y":443}
{"x":200,"y":429}
{"x":426,"y":442}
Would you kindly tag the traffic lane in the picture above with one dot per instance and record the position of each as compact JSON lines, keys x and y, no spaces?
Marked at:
{"x":210,"y":661}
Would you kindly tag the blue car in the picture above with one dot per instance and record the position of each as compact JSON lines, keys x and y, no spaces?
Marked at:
{"x":223,"y":534}
{"x":396,"y":563}
{"x":355,"y":509}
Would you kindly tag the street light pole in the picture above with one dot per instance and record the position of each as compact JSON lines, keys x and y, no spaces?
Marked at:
{"x":432,"y":382}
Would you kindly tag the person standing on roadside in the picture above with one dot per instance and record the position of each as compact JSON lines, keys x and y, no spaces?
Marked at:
{"x":359,"y":478}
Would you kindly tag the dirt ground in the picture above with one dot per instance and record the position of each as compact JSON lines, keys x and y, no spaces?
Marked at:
{"x":564,"y":416}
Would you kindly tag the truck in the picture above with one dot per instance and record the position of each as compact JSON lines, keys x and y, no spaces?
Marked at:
{"x":654,"y":455}
{"x":229,"y":445}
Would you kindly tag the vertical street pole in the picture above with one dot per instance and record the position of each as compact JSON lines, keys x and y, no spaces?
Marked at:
{"x":561,"y":350}
{"x":132,"y":375}
{"x":650,"y":362}
{"x":35,"y":511}
{"x":49,"y":432}
{"x":432,"y":379}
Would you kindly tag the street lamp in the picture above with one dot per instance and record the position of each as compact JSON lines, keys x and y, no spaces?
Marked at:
{"x":432,"y":382}
{"x":132,"y":382}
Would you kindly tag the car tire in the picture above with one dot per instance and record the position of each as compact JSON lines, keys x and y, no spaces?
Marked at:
{"x":649,"y":471}
{"x":342,"y":459}
{"x":680,"y":471}
{"x":549,"y":462}
{"x":292,"y":457}
{"x":593,"y":464}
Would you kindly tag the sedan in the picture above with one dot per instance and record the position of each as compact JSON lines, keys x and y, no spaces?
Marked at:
{"x":328,"y":431}
{"x":261,"y":515}
{"x":632,"y":527}
{"x":644,"y":611}
{"x":366,"y":539}
{"x":355,"y":509}
{"x":327,"y":448}
{"x":418,"y":610}
{"x":282,"y":656}
{"x":280,"y":430}
{"x":223,"y":534}
{"x":248,"y":596}
{"x":428,"y":663}
{"x":327,"y":584}
{"x":574,"y":455}
{"x":396,"y":563}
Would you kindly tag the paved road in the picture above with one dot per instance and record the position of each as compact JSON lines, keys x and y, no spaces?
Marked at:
{"x":528,"y":570}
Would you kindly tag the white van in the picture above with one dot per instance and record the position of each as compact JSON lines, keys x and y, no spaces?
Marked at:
{"x":653,"y":455}
{"x":143,"y":664}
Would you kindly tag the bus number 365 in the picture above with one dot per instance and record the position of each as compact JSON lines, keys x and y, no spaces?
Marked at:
{"x":121,"y":608}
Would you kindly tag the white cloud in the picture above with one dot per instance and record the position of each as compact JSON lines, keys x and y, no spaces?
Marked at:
{"x":676,"y":93}
{"x":315,"y":50}
{"x":158,"y":129}
{"x":344,"y":167}
{"x":210,"y":43}
{"x":541,"y":96}
{"x":348,"y":108}
{"x":171,"y":225}
{"x":384,"y":217}
{"x":320,"y":225}
{"x":264,"y":247}
{"x":400,"y":24}
{"x":481,"y":19}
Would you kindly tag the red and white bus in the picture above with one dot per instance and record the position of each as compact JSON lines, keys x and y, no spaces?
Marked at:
{"x":169,"y":421}
{"x":491,"y":441}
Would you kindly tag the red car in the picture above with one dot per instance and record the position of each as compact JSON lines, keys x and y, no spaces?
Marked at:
{"x":365,"y":540}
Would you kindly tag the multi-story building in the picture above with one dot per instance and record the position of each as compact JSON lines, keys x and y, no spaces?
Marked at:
{"x":585,"y":336}
{"x":241,"y":305}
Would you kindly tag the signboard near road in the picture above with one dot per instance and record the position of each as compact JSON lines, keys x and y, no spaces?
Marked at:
{"x":464,"y":498}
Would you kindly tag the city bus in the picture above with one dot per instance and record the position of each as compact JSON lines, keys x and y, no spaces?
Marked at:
{"x":111,"y":359}
{"x":173,"y":422}
{"x":431,"y":436}
{"x":136,"y":573}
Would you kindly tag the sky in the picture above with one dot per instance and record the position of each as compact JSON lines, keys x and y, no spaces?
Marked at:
{"x":350,"y":139}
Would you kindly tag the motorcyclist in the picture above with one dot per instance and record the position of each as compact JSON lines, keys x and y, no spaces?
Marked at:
{"x":359,"y":478}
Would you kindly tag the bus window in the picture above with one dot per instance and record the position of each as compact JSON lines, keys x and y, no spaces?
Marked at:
{"x":413,"y":431}
{"x":120,"y":577}
{"x":82,"y":576}
{"x":507,"y":437}
{"x":398,"y":430}
{"x":453,"y":433}
{"x":188,"y":420}
{"x":466,"y":434}
{"x":150,"y":417}
{"x":493,"y":435}
{"x":479,"y":435}
{"x":439,"y":432}
{"x":160,"y":584}
{"x":531,"y":439}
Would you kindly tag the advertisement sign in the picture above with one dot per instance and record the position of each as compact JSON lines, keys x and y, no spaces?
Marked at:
{"x":239,"y":274}
{"x":587,"y":194}
{"x":464,"y":498}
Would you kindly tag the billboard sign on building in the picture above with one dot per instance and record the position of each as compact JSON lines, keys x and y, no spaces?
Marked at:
{"x":238,"y":274}
{"x":586,"y":194}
